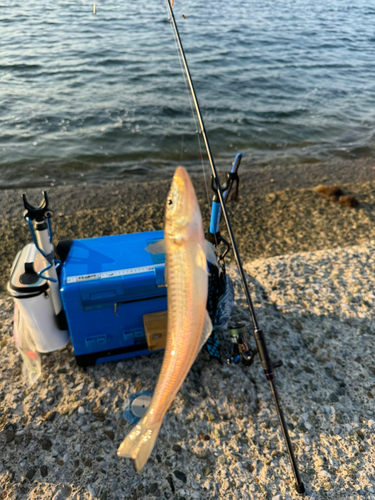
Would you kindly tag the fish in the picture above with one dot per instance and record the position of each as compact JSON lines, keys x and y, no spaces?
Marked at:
{"x":189,"y":324}
{"x":183,"y":15}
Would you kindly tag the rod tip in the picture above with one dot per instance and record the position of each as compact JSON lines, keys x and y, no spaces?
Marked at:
{"x":300,"y":489}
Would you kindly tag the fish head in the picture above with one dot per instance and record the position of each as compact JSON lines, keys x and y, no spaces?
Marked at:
{"x":182,"y":215}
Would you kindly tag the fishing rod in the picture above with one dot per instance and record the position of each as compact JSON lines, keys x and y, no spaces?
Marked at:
{"x":266,"y":362}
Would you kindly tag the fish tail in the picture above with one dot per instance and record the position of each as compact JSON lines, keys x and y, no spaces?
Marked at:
{"x":139,"y":443}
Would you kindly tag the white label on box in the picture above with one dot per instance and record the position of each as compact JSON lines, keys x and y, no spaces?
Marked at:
{"x":110,"y":274}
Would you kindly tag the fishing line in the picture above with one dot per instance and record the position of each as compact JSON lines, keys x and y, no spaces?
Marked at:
{"x":267,"y":364}
{"x":192,"y":109}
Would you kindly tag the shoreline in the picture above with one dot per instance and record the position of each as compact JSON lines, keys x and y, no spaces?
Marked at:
{"x":270,"y":218}
{"x":267,"y":179}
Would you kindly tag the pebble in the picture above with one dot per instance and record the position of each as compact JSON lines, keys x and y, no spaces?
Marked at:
{"x":328,"y":372}
{"x":30,"y":474}
{"x":206,"y":471}
{"x":63,"y":493}
{"x":91,"y":490}
{"x":9,"y":436}
{"x":110,"y":434}
{"x":180,"y":475}
{"x":46,"y":444}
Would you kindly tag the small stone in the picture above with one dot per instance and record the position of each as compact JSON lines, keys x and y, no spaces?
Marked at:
{"x":329,"y":192}
{"x":309,"y":370}
{"x":81,"y":410}
{"x":370,"y":395}
{"x":86,"y":428}
{"x":177,"y":448}
{"x":183,"y":433}
{"x":328,"y":485}
{"x":206,"y":471}
{"x":360,"y":434}
{"x":348,"y":201}
{"x":43,"y":471}
{"x":46,"y":444}
{"x":334,"y":398}
{"x":9,"y":435}
{"x":50,"y":416}
{"x":338,"y":418}
{"x":30,"y":474}
{"x":60,"y":462}
{"x":210,"y":416}
{"x":154,"y":487}
{"x":91,"y":489}
{"x":217,"y":433}
{"x":99,"y":415}
{"x":298,"y":325}
{"x":351,"y":474}
{"x":110,"y":434}
{"x":180,"y":475}
{"x":206,"y":437}
{"x":138,"y":386}
{"x":18,"y":439}
{"x":88,"y":463}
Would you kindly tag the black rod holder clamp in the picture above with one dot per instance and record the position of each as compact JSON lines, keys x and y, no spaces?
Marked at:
{"x":39,"y":214}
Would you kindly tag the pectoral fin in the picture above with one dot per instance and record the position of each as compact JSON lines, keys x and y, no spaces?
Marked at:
{"x":157,"y":247}
{"x":210,"y":253}
{"x":207,"y":330}
{"x":205,"y":253}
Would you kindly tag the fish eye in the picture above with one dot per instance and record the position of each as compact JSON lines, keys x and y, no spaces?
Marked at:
{"x":170,"y":202}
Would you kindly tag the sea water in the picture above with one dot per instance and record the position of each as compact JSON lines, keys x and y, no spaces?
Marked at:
{"x":90,"y":97}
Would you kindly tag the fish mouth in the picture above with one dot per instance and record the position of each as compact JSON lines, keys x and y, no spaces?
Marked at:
{"x":183,"y":182}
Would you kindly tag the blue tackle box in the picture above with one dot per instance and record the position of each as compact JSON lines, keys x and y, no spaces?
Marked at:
{"x":108,"y":284}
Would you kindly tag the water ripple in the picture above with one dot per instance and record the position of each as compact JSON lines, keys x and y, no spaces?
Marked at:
{"x":86,"y":98}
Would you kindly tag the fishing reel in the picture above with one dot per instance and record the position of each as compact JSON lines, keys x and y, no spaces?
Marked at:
{"x":242,"y":352}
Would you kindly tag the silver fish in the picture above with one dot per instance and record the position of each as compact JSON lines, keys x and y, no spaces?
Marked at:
{"x":189,"y":324}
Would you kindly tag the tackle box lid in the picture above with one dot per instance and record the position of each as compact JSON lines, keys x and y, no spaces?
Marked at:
{"x":24,"y":279}
{"x":114,"y":268}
